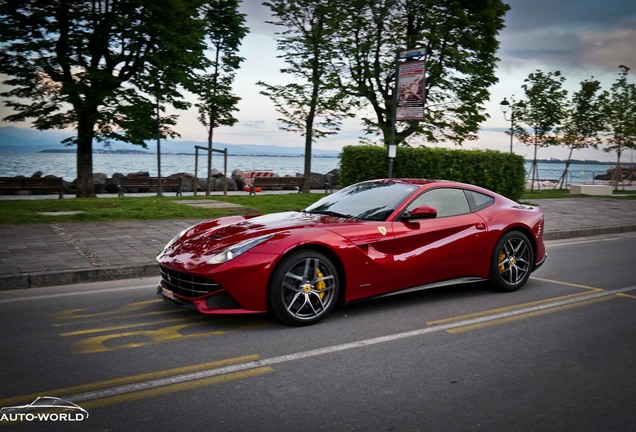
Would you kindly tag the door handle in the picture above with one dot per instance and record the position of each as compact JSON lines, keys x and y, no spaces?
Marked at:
{"x":480,"y":226}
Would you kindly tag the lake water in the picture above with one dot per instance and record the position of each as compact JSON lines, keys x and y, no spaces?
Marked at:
{"x":63,"y":165}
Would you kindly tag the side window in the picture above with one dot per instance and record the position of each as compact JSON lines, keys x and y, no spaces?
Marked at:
{"x":478,"y":200}
{"x":447,"y":202}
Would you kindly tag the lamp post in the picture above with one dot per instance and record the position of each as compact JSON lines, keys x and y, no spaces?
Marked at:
{"x":505,"y":107}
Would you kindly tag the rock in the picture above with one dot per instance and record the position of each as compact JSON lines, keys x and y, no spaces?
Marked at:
{"x":187,"y":181}
{"x":99,"y":182}
{"x":333,"y":177}
{"x":317,"y":180}
{"x":219,"y":184}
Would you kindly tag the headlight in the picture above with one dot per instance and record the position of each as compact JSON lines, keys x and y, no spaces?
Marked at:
{"x":237,"y":249}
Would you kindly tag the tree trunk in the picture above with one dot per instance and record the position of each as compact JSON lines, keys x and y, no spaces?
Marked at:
{"x":85,"y":186}
{"x":564,"y":176}
{"x":307,"y":184}
{"x":618,"y":171}
{"x":534,"y":171}
{"x":208,"y":181}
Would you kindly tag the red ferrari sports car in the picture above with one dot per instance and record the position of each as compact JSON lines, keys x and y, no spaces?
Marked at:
{"x":371,"y":239}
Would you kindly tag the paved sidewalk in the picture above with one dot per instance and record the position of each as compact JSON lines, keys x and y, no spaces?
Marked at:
{"x":67,"y":253}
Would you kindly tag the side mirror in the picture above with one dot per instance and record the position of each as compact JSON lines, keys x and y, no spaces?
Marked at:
{"x":423,"y":212}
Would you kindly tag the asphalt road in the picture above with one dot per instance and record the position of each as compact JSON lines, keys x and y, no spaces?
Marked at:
{"x":558,"y":355}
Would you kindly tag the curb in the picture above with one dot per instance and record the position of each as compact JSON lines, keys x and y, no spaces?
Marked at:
{"x":587,"y":232}
{"x":70,"y":277}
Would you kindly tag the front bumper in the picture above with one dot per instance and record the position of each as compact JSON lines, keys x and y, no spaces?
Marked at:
{"x":219,"y":303}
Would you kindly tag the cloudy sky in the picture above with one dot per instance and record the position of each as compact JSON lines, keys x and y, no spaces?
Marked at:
{"x":581,"y":38}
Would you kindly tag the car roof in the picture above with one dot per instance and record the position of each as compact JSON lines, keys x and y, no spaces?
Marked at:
{"x":430,"y":184}
{"x":418,"y":182}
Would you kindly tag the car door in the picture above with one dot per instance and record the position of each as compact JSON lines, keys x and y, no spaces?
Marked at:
{"x":449,"y":246}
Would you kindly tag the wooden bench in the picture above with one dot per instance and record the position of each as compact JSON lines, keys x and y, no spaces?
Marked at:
{"x":277,"y":183}
{"x":145,"y":183}
{"x":36,"y":184}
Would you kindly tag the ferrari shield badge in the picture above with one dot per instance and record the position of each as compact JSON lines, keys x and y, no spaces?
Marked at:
{"x":382,"y":230}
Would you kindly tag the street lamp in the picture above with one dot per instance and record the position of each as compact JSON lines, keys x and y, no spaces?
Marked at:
{"x":505,"y":107}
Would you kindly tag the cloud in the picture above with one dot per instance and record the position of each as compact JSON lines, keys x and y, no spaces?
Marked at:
{"x":256,"y":17}
{"x":570,"y":34}
{"x":611,"y":48}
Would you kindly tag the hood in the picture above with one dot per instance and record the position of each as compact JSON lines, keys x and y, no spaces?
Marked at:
{"x":261,"y":225}
{"x":211,"y":237}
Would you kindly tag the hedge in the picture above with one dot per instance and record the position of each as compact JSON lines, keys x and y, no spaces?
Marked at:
{"x":503,"y":173}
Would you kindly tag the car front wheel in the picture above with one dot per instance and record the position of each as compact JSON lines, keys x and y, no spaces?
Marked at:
{"x":304,"y":288}
{"x":512,"y":262}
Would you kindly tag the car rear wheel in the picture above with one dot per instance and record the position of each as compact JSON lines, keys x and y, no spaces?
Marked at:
{"x":512,"y":262}
{"x":304,"y":288}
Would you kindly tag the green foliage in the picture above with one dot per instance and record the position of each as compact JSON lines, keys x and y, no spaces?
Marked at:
{"x":500,"y":172}
{"x":359,"y":163}
{"x":225,"y":30}
{"x":313,"y":105}
{"x":99,"y":67}
{"x":542,"y":111}
{"x":460,"y":40}
{"x":619,"y":107}
{"x":582,"y":123}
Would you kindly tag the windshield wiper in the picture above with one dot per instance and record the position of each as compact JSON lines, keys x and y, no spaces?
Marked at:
{"x":329,"y":213}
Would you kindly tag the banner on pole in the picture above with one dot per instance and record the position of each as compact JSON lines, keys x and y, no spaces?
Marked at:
{"x":410,"y":99}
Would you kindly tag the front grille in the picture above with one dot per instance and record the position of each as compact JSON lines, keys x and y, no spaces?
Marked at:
{"x":187,"y":285}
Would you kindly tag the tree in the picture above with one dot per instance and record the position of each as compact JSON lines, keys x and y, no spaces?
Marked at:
{"x":460,"y":41}
{"x":225,"y":29}
{"x":583,"y":121}
{"x":92,"y":66}
{"x":619,"y":108}
{"x":312,"y":105}
{"x":542,"y":111}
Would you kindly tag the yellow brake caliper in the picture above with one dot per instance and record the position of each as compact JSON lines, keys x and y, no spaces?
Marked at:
{"x":320,"y":285}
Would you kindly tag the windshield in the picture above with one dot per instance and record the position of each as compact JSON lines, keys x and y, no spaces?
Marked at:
{"x":367,"y":201}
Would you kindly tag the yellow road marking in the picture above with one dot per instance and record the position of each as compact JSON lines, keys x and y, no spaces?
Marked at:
{"x":77,"y":313}
{"x":519,"y":317}
{"x":115,"y":382}
{"x":98,"y":344}
{"x":502,"y":310}
{"x":127,"y":326}
{"x":112,"y":318}
{"x":516,"y":307}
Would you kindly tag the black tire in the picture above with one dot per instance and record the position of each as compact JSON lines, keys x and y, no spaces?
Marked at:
{"x":512,"y":262}
{"x":304,"y":288}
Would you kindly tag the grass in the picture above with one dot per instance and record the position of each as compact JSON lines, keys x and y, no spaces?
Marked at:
{"x":144,"y":208}
{"x":133,"y":208}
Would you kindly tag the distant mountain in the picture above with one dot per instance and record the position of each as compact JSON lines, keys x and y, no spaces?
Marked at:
{"x":23,"y":140}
